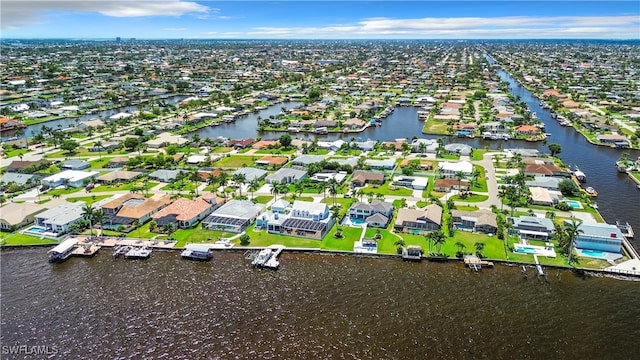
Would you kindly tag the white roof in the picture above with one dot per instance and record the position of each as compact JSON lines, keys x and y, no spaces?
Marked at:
{"x":72,"y":175}
{"x":64,"y":246}
{"x":464,"y":166}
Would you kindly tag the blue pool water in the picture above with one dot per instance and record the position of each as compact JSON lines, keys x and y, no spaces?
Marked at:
{"x":526,"y":250}
{"x":36,"y":229}
{"x":574,"y":204}
{"x":355,"y":221}
{"x":594,"y":253}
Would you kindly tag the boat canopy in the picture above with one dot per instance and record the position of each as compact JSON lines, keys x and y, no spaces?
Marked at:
{"x":64,"y":246}
{"x":203,"y":248}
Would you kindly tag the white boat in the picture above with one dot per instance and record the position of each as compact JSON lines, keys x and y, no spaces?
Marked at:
{"x":198,"y":252}
{"x":625,"y":229}
{"x":262,"y":258}
{"x":580,"y":175}
{"x":138,"y":253}
{"x":62,"y":251}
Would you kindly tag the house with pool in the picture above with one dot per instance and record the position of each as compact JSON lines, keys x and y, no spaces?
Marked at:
{"x":302,"y":218}
{"x":375,"y":214}
{"x":419,"y":221}
{"x":532,"y":227}
{"x":481,"y":221}
{"x":56,"y":221}
{"x":234,"y":216}
{"x":599,"y":237}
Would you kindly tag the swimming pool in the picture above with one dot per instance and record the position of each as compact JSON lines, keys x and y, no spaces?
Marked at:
{"x":574,"y":204}
{"x":526,"y":250}
{"x":594,"y":253}
{"x":356,"y":221}
{"x":36,"y":230}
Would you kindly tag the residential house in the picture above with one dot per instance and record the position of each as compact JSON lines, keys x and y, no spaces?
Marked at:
{"x":129,"y":208}
{"x":416,"y":183}
{"x":481,"y":221}
{"x":306,"y":219}
{"x":165,"y":176}
{"x":419,"y":221}
{"x":241,"y":144}
{"x":546,"y":182}
{"x":460,"y":149}
{"x":532,"y":227}
{"x":368,"y":145}
{"x":450,"y":169}
{"x":527,"y":130}
{"x":57,"y":220}
{"x":250,"y":173}
{"x":73,"y":178}
{"x":424,"y":145}
{"x":306,"y":160}
{"x":185,"y":213}
{"x":422,"y":164}
{"x":286,"y":176}
{"x":448,"y":184}
{"x":24,"y":166}
{"x":599,"y":236}
{"x":544,"y":170}
{"x":117,"y":162}
{"x":75,"y":165}
{"x":22,"y":180}
{"x":361,"y":178}
{"x":234,"y":216}
{"x":15,"y":215}
{"x":375,"y":214}
{"x":353,"y":124}
{"x":383,"y":164}
{"x":166,"y":138}
{"x":277,"y":161}
{"x":544,"y":197}
{"x":118,"y":176}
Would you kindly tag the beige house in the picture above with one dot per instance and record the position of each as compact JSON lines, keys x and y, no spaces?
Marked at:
{"x":14,"y":216}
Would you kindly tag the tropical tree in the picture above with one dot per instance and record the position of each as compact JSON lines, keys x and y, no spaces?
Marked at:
{"x":98,"y":216}
{"x":194,"y":176}
{"x":459,"y":175}
{"x":479,"y":247}
{"x":554,"y":149}
{"x":400,"y":245}
{"x":239,"y":179}
{"x":436,"y":238}
{"x":223,"y":180}
{"x":572,"y":231}
{"x":461,"y":248}
{"x":333,"y":187}
{"x":254,"y":185}
{"x":88,"y":212}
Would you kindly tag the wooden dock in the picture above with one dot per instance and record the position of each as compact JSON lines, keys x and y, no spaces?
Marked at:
{"x":86,"y":250}
{"x":473,"y":262}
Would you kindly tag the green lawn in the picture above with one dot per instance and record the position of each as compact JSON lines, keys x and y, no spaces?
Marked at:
{"x":276,"y":151}
{"x":100,"y":163}
{"x":472,"y":198}
{"x":234,"y":161}
{"x":88,"y":199}
{"x":125,"y":186}
{"x":481,"y":183}
{"x":63,"y":191}
{"x":387,"y":189}
{"x":435,"y":127}
{"x":262,"y":199}
{"x":263,"y":239}
{"x":21,"y":239}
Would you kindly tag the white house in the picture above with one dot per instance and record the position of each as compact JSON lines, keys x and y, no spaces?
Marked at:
{"x":58,"y":219}
{"x":76,"y":178}
{"x":449,"y":169}
{"x":599,"y":236}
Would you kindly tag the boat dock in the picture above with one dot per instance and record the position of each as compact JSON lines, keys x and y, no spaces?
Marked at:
{"x":268,"y":257}
{"x":86,"y":250}
{"x":473,"y":262}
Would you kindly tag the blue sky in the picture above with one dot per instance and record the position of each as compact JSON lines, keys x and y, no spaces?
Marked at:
{"x":162,"y":19}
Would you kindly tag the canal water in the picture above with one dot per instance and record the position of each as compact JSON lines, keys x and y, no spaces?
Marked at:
{"x":64,"y":123}
{"x":315,"y":306}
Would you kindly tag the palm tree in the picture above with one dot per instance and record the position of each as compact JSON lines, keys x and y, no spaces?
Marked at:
{"x":278,"y":188}
{"x":400,"y":244}
{"x":459,"y":175}
{"x":502,"y":194}
{"x":194,"y":176}
{"x":254,"y":185}
{"x":65,"y":182}
{"x":88,"y":212}
{"x":460,"y":246}
{"x":333,"y":186}
{"x":98,"y":216}
{"x":479,"y":247}
{"x":322,"y":188}
{"x":572,"y":231}
{"x":239,"y":179}
{"x":437,"y":238}
{"x":98,"y":144}
{"x":223,"y":180}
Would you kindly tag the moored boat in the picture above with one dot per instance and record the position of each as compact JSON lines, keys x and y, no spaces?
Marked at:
{"x":198,"y":252}
{"x":138,"y":253}
{"x":62,"y":251}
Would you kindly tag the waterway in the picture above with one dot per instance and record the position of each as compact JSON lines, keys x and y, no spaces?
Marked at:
{"x":315,"y":306}
{"x":65,"y":122}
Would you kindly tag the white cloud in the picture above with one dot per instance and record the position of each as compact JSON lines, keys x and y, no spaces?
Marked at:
{"x":469,"y":27}
{"x":20,"y":13}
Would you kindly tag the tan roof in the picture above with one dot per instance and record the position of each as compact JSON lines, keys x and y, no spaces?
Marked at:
{"x":277,"y":160}
{"x":115,"y":203}
{"x":363,"y":176}
{"x":184,"y":209}
{"x":15,"y":213}
{"x":148,"y":206}
{"x":119,"y":175}
{"x":432,"y":212}
{"x":449,"y":182}
{"x":484,"y":216}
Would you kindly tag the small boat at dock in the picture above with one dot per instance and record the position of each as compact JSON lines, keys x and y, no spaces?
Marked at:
{"x":625,"y":229}
{"x":138,"y":253}
{"x":268,"y":257}
{"x":62,"y":251}
{"x":197,"y":252}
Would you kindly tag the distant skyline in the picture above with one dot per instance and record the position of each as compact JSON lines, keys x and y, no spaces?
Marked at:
{"x":175,"y":19}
